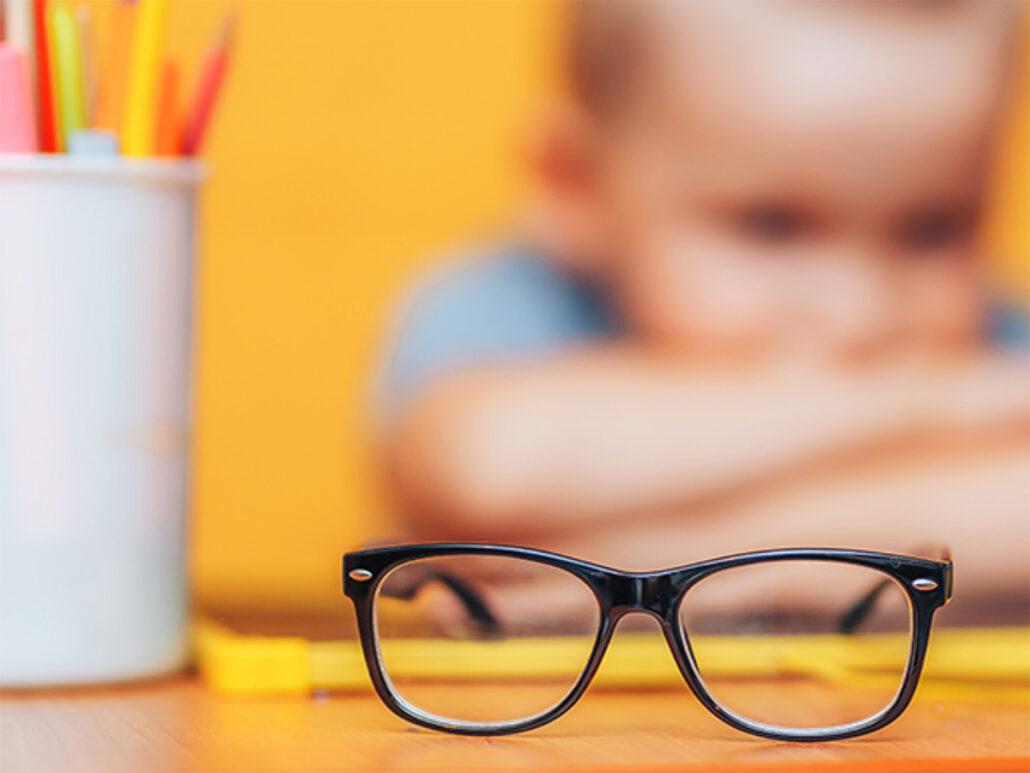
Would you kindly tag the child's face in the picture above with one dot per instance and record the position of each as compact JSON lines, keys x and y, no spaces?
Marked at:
{"x":804,"y":177}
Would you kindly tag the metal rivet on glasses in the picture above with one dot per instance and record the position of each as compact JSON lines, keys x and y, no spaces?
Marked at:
{"x":361,"y":575}
{"x":924,"y":583}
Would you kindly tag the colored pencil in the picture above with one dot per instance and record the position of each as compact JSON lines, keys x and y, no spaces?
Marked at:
{"x":17,"y":116}
{"x":110,"y":110}
{"x":167,"y":137}
{"x":138,"y":126}
{"x":67,"y":71}
{"x":209,"y":84}
{"x":87,"y":45}
{"x":18,"y":33}
{"x":49,"y":135}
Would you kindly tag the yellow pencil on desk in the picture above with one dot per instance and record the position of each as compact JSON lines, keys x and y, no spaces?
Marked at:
{"x":965,"y":664}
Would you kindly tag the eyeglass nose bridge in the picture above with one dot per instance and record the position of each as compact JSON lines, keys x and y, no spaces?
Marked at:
{"x":649,"y":593}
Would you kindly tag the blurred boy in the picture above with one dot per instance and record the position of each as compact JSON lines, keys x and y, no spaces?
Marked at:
{"x":748,"y":309}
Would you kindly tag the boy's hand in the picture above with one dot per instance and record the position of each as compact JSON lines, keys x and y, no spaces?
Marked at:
{"x":988,"y":393}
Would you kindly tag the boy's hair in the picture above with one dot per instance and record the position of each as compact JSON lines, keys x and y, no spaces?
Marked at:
{"x":608,"y":43}
{"x":605,"y":47}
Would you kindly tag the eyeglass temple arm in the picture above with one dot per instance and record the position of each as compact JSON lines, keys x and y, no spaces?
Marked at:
{"x":857,"y":613}
{"x":473,"y":603}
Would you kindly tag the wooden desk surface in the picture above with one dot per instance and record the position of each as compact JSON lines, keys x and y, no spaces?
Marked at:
{"x":179,"y":725}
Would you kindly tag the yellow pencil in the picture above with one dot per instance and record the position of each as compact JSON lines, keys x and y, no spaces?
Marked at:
{"x":138,"y":131}
{"x":67,"y":58}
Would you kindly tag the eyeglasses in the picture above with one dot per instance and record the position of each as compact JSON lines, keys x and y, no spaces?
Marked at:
{"x":795,"y":645}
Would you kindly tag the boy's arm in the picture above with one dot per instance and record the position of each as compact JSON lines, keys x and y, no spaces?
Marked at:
{"x":974,"y":504}
{"x":537,"y":448}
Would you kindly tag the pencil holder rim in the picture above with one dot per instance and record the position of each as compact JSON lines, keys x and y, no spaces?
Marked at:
{"x":173,"y":171}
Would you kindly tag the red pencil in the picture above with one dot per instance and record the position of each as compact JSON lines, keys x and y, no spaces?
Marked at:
{"x":209,"y":83}
{"x":48,"y":120}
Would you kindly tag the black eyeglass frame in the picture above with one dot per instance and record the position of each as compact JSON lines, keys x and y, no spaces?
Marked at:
{"x":927,"y":584}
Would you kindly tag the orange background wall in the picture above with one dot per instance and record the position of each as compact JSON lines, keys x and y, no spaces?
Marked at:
{"x":355,"y":140}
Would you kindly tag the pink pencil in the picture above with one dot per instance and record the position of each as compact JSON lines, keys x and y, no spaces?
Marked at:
{"x":209,"y":84}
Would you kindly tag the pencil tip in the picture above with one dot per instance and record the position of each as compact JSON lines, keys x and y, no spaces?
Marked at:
{"x":227,"y":30}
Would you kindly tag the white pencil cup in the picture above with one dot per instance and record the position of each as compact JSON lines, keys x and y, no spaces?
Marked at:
{"x":96,"y":309}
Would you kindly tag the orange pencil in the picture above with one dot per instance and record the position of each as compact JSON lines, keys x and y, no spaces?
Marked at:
{"x":209,"y":84}
{"x":167,"y":137}
{"x":89,"y":63}
{"x":110,"y":99}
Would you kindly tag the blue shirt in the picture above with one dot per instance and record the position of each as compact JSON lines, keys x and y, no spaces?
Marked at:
{"x":504,"y":304}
